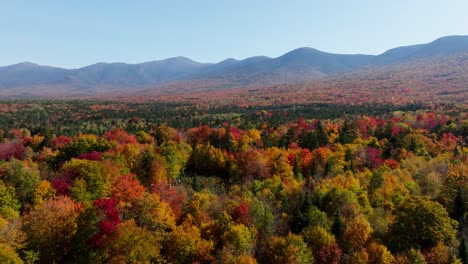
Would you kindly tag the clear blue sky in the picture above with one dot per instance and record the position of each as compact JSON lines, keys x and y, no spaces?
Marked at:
{"x":78,"y":33}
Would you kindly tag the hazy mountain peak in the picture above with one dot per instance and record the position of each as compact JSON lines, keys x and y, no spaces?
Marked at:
{"x":24,"y":64}
{"x":179,"y":59}
{"x":228,"y":60}
{"x":453,"y":38}
{"x":27,"y":63}
{"x":449,"y":44}
{"x":304,"y":51}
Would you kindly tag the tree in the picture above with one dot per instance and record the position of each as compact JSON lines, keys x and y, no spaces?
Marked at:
{"x":79,"y":145}
{"x":415,"y":143}
{"x":320,"y":241}
{"x":460,"y":206}
{"x":130,"y":244}
{"x":43,"y":192}
{"x":358,"y":257}
{"x":108,"y":219}
{"x":317,"y":218}
{"x":300,"y":215}
{"x":308,"y":140}
{"x":93,"y":179}
{"x":290,"y":249}
{"x":12,"y":150}
{"x":414,"y":256}
{"x":36,"y":142}
{"x":454,"y":193}
{"x":9,"y":255}
{"x":463,"y":251}
{"x":297,"y":168}
{"x":185,"y":245}
{"x":59,"y":142}
{"x":11,"y":236}
{"x":23,"y":177}
{"x":356,"y":234}
{"x":144,"y":138}
{"x":9,"y":204}
{"x":347,"y":133}
{"x":438,"y":255}
{"x":379,"y":254}
{"x":330,"y":254}
{"x":164,"y":134}
{"x":51,"y":226}
{"x":240,"y":239}
{"x":195,"y":208}
{"x":251,"y":164}
{"x":242,"y":259}
{"x":144,"y":168}
{"x":337,"y":226}
{"x":322,"y":136}
{"x":262,"y":218}
{"x":319,"y":162}
{"x":127,"y":189}
{"x":120,"y":136}
{"x":207,"y":160}
{"x":176,"y":156}
{"x":83,"y":248}
{"x":341,"y":199}
{"x":421,"y":223}
{"x":153,"y":214}
{"x":240,"y":213}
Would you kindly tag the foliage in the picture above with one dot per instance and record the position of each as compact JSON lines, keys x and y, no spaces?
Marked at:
{"x":8,"y":255}
{"x":51,"y":226}
{"x":129,"y":244}
{"x":289,"y":249}
{"x":176,"y":182}
{"x":420,"y":222}
{"x":24,"y":177}
{"x":8,"y":201}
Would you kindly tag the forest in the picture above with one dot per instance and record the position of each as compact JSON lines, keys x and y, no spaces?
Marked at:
{"x":95,"y":181}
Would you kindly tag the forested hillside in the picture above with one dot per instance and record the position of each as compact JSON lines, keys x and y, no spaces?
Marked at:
{"x":93,"y":183}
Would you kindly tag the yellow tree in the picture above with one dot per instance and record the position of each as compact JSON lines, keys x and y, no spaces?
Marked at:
{"x":356,"y":234}
{"x":130,"y":244}
{"x":43,"y":192}
{"x":379,"y":254}
{"x":185,"y":245}
{"x":152,"y":213}
{"x":290,"y":249}
{"x":51,"y":226}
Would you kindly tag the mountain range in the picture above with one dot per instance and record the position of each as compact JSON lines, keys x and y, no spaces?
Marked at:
{"x":299,"y":65}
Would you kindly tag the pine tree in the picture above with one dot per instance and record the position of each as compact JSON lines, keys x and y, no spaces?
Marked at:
{"x":338,"y":226}
{"x":462,"y":251}
{"x":297,"y":168}
{"x":321,"y":134}
{"x":459,"y":205}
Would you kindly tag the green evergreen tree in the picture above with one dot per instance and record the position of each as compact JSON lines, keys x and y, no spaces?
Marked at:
{"x":462,"y":251}
{"x":338,"y":226}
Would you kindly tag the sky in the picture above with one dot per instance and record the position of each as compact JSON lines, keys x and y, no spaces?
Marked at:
{"x":74,"y":34}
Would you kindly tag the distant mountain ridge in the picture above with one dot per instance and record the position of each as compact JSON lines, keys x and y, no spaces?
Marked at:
{"x":299,"y":65}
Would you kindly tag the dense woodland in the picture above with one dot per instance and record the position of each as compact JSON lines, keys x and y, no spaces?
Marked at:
{"x":172,"y":182}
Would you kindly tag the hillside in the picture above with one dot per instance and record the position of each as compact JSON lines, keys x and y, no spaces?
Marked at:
{"x":180,"y":73}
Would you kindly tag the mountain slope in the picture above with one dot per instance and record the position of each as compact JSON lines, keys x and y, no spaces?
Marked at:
{"x":26,"y":74}
{"x":445,"y":46}
{"x":130,"y":75}
{"x":299,"y":65}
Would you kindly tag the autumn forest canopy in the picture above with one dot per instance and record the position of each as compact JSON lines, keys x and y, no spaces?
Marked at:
{"x":91,"y":181}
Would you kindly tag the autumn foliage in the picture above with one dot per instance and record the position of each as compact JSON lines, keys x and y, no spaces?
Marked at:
{"x":265,"y":187}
